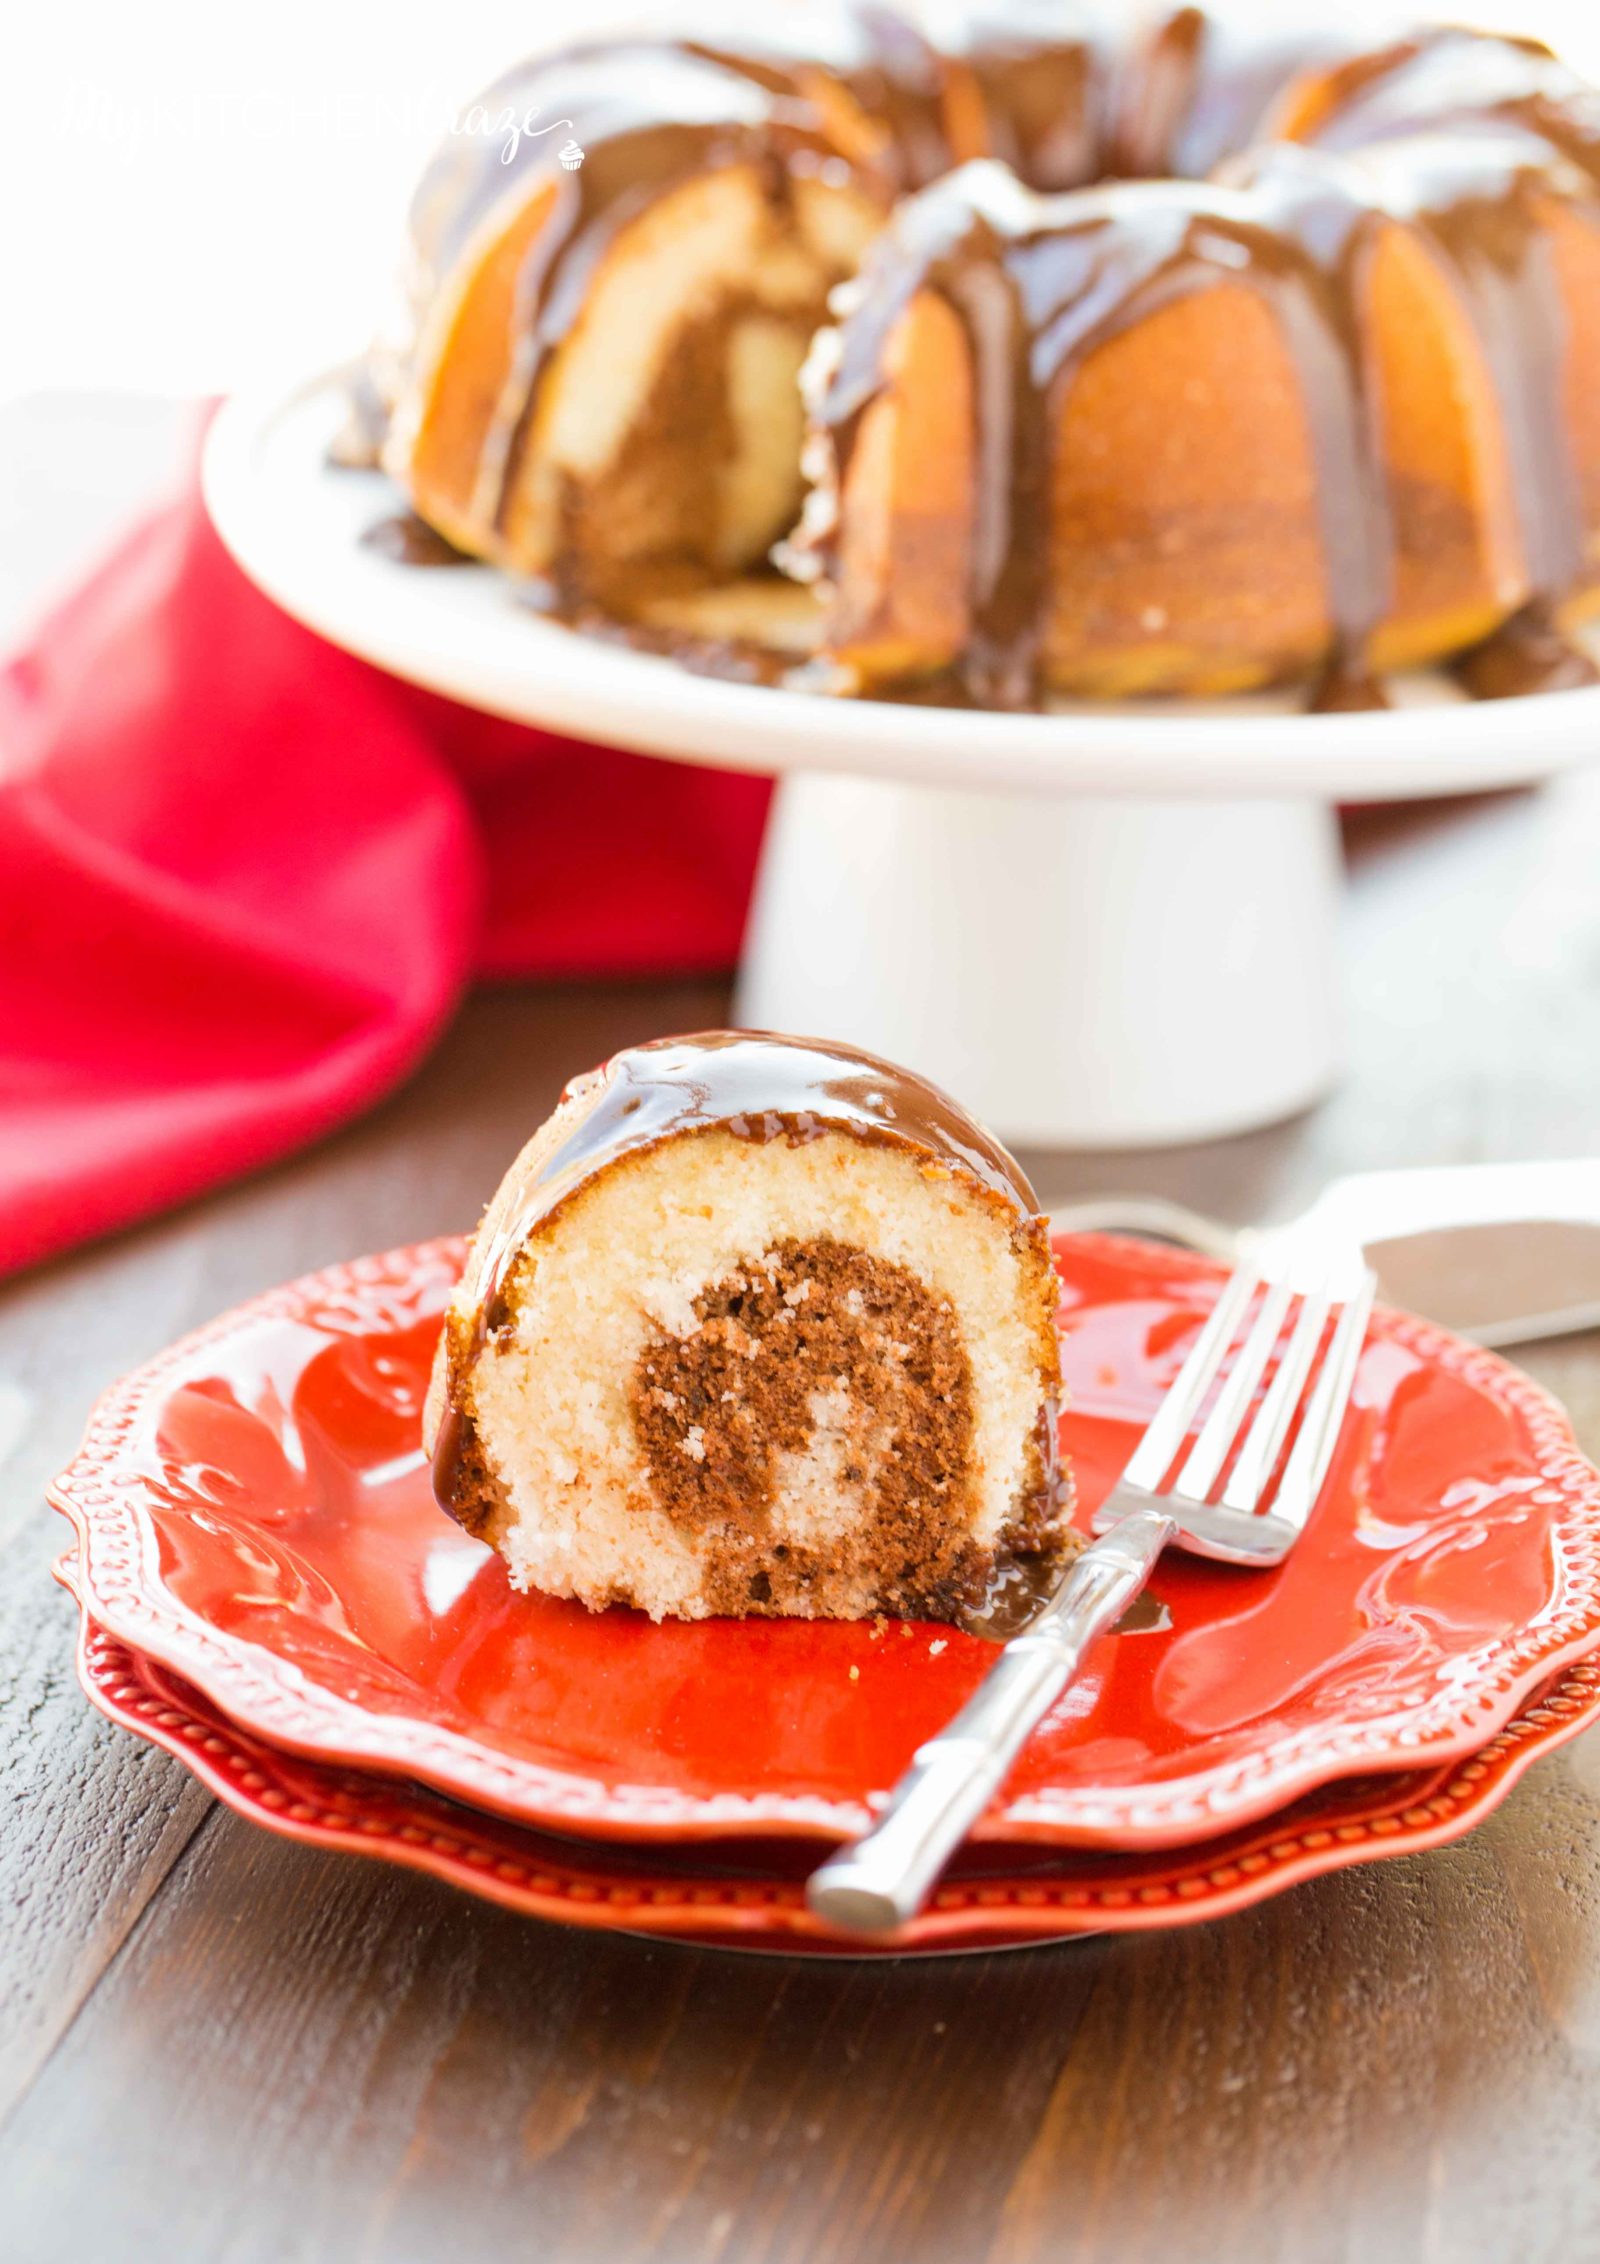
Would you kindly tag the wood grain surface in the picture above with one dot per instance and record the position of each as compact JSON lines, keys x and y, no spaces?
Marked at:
{"x":214,"y":2045}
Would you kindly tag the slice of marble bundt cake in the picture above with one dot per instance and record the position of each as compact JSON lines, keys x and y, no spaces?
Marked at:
{"x":756,"y":1325}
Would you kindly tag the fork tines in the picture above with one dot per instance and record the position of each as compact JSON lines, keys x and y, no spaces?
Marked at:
{"x":1308,"y":1382}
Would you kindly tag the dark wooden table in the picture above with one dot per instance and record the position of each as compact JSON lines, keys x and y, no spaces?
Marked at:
{"x":214,"y":2045}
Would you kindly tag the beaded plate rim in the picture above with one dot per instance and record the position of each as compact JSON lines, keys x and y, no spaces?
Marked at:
{"x":101,"y":1493}
{"x":500,"y":1861}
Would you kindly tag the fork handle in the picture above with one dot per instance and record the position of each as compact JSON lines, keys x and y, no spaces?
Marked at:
{"x":879,"y":1882}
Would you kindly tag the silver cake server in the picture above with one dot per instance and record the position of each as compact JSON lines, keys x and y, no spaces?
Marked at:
{"x":1503,"y":1253}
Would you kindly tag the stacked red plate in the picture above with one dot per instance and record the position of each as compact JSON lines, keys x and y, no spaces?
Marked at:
{"x":269,"y":1591}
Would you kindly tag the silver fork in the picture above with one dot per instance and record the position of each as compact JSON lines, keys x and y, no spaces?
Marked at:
{"x":880,"y":1881}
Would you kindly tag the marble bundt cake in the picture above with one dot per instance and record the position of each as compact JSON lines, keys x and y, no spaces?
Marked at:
{"x":1177,"y":360}
{"x":756,"y":1325}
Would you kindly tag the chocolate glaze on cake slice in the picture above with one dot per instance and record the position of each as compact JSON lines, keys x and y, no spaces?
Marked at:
{"x":756,"y":1324}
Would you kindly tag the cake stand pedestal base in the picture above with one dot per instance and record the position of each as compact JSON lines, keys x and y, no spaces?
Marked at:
{"x":1083,"y":972}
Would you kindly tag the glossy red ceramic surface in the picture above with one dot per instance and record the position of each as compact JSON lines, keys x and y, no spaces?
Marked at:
{"x":254,"y":1513}
{"x":749,"y":1896}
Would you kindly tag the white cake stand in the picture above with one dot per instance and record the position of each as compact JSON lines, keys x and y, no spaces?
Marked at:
{"x":1103,"y":927}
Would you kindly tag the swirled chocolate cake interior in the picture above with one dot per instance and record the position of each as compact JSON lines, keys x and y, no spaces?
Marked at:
{"x":755,"y":1325}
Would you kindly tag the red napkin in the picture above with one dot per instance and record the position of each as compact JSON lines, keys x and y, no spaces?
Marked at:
{"x":244,"y":878}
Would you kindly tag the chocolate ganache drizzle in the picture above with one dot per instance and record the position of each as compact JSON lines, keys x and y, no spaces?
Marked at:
{"x":651,"y":118}
{"x":649,"y":114}
{"x":1274,"y":160}
{"x":1038,"y":287}
{"x":755,"y":1085}
{"x":752,"y":1085}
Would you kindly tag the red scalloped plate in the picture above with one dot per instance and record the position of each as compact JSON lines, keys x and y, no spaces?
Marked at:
{"x":750,"y":1896}
{"x":254,"y":1513}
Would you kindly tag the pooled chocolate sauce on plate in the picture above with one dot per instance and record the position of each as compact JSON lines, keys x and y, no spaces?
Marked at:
{"x":1528,"y":653}
{"x":410,"y":541}
{"x":1027,"y":1584}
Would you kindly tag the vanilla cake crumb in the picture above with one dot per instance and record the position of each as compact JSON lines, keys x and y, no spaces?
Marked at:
{"x":764,"y":1363}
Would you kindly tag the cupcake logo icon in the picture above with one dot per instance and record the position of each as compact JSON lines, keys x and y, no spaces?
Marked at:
{"x":511,"y":128}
